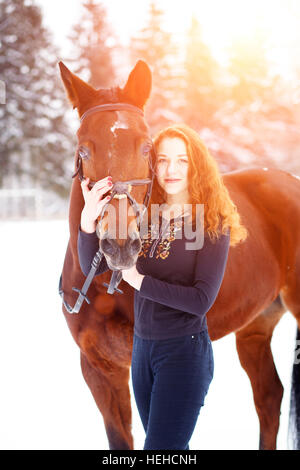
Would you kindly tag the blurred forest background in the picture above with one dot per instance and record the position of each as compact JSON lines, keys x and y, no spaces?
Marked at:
{"x":247,"y":114}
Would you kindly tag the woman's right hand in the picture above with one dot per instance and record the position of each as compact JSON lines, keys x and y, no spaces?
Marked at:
{"x":94,"y":202}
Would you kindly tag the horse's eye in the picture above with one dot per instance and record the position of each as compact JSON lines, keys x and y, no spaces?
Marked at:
{"x":146,"y":149}
{"x":83,"y":152}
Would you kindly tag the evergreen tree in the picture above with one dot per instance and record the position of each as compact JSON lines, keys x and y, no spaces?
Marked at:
{"x":34,"y":137}
{"x":249,"y":67}
{"x":201,"y":80}
{"x":93,"y":46}
{"x":155,"y":46}
{"x":257,"y":118}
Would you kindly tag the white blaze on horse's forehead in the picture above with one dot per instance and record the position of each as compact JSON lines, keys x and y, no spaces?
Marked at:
{"x":121,"y":122}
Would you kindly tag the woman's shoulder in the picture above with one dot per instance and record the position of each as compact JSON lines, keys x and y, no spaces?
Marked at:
{"x":217,"y":244}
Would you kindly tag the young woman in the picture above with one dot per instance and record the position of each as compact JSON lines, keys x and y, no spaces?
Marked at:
{"x":172,"y":357}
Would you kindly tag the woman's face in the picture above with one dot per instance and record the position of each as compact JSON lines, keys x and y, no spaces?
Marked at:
{"x":172,"y":165}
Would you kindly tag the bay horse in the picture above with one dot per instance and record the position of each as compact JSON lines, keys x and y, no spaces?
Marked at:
{"x":261,"y":282}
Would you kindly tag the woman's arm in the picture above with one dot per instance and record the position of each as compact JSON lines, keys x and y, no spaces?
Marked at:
{"x":87,"y":241}
{"x":87,"y":246}
{"x":209,"y":273}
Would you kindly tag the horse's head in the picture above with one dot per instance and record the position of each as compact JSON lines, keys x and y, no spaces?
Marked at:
{"x":114,"y":139}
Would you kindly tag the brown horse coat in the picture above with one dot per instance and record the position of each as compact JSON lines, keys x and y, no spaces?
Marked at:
{"x":261,"y":282}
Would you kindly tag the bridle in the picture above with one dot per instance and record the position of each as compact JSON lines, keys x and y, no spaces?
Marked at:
{"x":120,"y":189}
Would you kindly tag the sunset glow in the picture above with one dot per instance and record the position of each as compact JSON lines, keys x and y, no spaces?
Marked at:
{"x":223,"y":22}
{"x":226,"y":22}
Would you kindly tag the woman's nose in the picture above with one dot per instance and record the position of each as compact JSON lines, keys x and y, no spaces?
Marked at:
{"x":171,"y":167}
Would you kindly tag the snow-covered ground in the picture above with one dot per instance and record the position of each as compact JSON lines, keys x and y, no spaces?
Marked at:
{"x":45,"y":403}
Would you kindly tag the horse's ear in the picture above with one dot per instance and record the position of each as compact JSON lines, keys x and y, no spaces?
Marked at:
{"x":138,"y":87}
{"x":79,"y":92}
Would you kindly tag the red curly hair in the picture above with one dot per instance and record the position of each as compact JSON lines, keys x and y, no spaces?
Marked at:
{"x":206,"y":186}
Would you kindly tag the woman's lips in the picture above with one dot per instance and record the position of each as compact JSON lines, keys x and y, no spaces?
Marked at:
{"x":171,"y":180}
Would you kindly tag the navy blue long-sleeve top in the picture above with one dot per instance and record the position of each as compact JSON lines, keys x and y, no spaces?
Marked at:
{"x":180,"y":284}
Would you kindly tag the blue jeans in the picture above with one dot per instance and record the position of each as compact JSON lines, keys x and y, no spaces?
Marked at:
{"x":170,"y":379}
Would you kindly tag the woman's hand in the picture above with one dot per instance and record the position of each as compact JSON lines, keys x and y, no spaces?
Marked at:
{"x":133,"y":277}
{"x":94,"y":202}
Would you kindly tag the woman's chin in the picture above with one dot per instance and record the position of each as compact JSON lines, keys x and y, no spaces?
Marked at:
{"x":173,"y":190}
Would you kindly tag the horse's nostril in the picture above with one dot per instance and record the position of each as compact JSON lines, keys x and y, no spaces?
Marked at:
{"x":108,"y":246}
{"x":135,"y":246}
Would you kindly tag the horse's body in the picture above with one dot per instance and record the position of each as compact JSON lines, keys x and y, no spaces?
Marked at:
{"x":261,"y":282}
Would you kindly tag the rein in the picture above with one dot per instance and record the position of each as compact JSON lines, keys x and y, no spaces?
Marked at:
{"x":119,"y":189}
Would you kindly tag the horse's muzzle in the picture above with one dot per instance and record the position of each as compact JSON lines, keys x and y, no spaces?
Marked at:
{"x":120,"y":257}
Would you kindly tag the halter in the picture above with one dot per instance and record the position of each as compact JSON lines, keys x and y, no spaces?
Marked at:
{"x":119,"y":189}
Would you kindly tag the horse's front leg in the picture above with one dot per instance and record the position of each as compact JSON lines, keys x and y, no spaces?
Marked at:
{"x":110,"y":388}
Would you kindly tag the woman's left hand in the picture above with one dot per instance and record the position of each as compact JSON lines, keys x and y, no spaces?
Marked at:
{"x":133,"y":277}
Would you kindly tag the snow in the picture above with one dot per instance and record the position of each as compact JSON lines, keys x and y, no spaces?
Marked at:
{"x":45,"y":402}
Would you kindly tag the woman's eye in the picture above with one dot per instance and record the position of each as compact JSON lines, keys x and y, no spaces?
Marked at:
{"x":83,"y":152}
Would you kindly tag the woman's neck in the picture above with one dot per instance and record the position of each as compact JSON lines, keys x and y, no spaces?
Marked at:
{"x":179,"y":198}
{"x":177,"y":201}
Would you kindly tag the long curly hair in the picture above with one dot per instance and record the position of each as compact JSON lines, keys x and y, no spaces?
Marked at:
{"x":206,"y":187}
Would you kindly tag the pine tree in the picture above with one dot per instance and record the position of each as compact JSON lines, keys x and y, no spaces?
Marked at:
{"x":34,"y":137}
{"x":93,"y":41}
{"x":201,"y":80}
{"x":155,"y":46}
{"x":256,"y":118}
{"x":249,"y":67}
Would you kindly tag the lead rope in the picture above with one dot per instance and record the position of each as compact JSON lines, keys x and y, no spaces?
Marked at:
{"x":116,"y":275}
{"x":112,"y":286}
{"x":82,"y":293}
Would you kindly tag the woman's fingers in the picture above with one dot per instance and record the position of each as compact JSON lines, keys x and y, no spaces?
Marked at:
{"x":94,"y":201}
{"x":103,"y":201}
{"x":102,"y":188}
{"x":101,"y":183}
{"x":84,"y":185}
{"x":101,"y":205}
{"x":93,"y":198}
